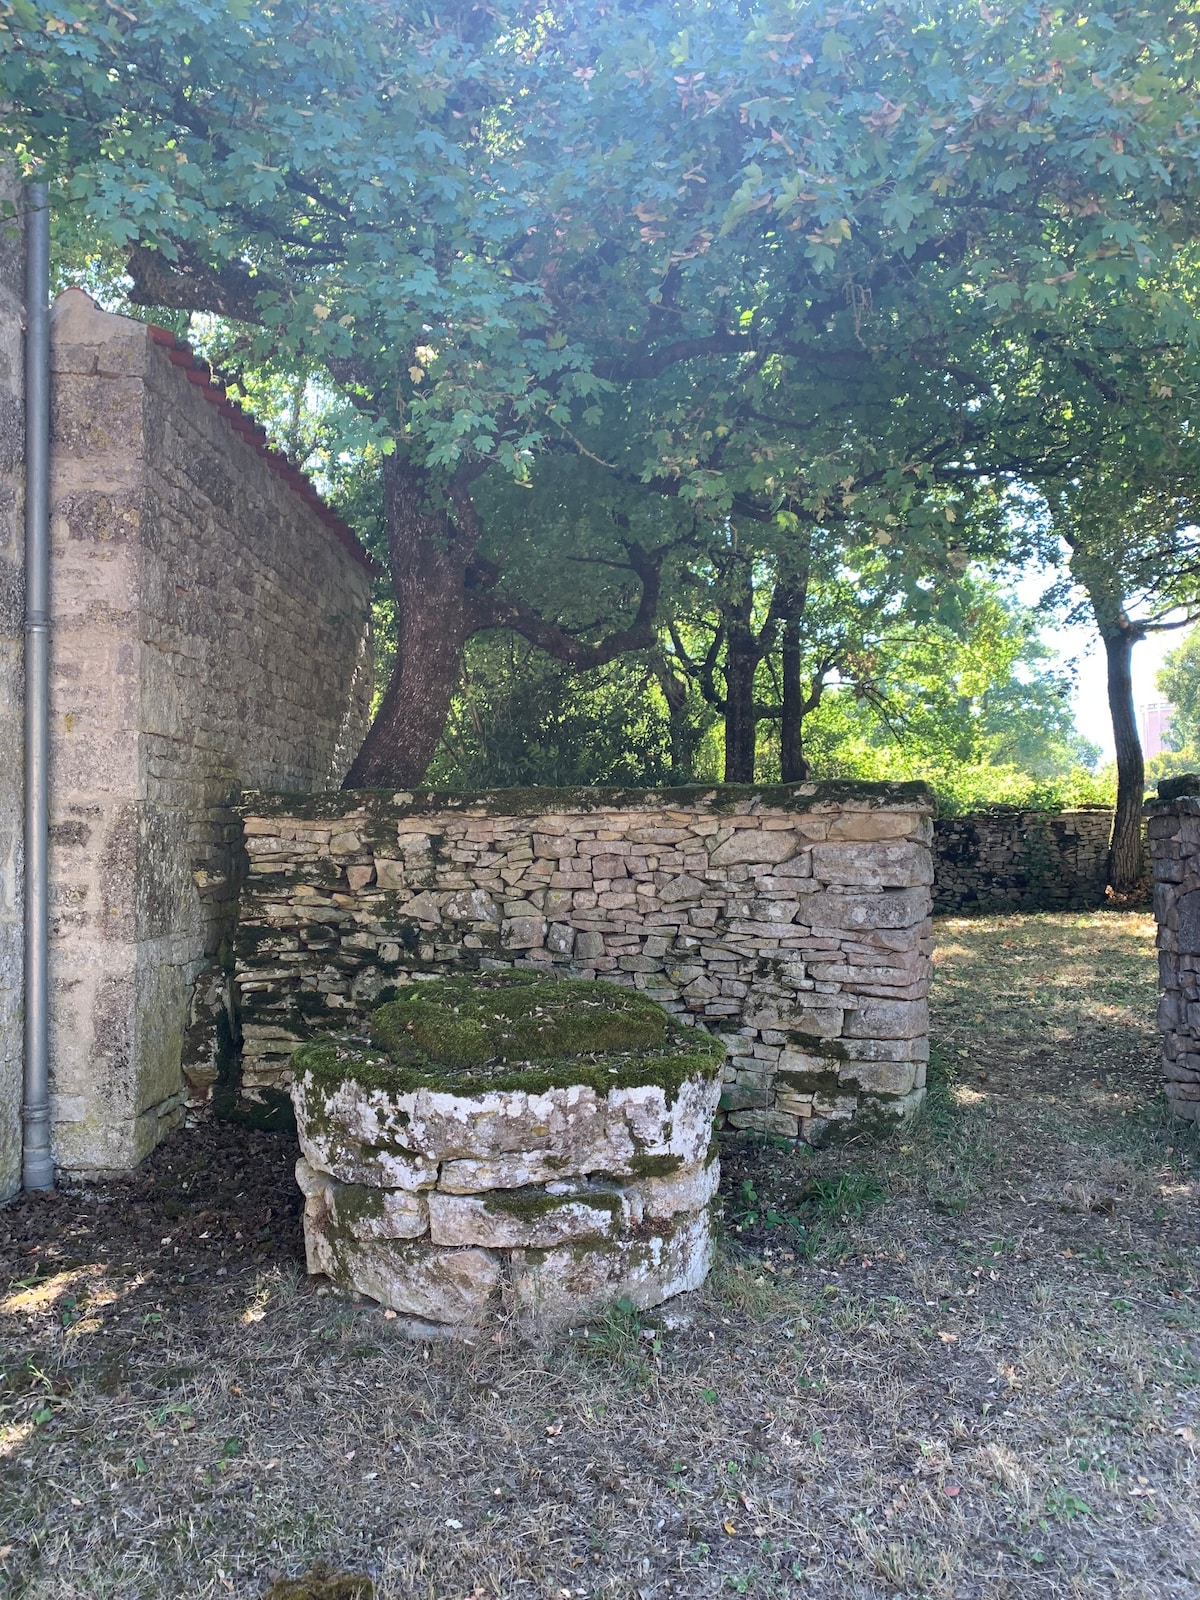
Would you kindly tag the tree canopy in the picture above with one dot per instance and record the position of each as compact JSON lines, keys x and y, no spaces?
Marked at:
{"x":766,"y":272}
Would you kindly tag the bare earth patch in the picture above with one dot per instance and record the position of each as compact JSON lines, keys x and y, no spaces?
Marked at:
{"x":962,"y":1363}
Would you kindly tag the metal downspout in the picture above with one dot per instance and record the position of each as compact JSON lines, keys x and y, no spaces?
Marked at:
{"x":38,"y":1161}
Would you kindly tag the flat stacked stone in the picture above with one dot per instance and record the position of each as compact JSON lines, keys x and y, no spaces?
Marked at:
{"x":508,"y":1145}
{"x":1173,"y":830}
{"x":1009,"y":859}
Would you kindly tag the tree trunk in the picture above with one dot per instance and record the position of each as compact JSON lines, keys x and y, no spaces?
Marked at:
{"x":1102,"y":582}
{"x":1126,"y":859}
{"x":682,"y":729}
{"x":741,"y":663}
{"x":427,"y":557}
{"x":793,"y":768}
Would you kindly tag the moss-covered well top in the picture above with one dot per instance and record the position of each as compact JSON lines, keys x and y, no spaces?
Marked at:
{"x":510,"y":1030}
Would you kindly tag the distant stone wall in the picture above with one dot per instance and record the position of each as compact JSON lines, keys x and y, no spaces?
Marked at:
{"x":1021,"y":861}
{"x":794,"y":921}
{"x":210,"y":634}
{"x":12,"y":656}
{"x":1173,"y":829}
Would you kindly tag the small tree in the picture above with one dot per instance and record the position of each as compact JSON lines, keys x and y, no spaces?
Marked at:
{"x":1136,"y":557}
{"x":1179,"y":680}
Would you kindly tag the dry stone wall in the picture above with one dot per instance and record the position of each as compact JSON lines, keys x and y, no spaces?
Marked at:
{"x":1021,"y":861}
{"x":12,"y":731}
{"x":1173,"y":829}
{"x":210,"y":633}
{"x":794,"y":921}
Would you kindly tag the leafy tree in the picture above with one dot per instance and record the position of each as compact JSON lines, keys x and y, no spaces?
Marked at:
{"x":762,"y":635}
{"x":508,"y":235}
{"x":1134,"y":552}
{"x":519,"y":718}
{"x":988,"y":693}
{"x":1179,"y":680}
{"x":982,"y":709}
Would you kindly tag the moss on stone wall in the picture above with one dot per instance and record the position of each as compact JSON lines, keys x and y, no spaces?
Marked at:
{"x":358,"y":1202}
{"x":360,"y":809}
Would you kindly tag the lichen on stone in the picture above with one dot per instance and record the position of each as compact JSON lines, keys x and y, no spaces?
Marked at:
{"x":532,"y":1204}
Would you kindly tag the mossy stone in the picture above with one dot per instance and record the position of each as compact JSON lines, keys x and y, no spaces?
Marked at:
{"x":510,"y":1031}
{"x":363,"y":808}
{"x":532,"y":1204}
{"x":464,"y":1023}
{"x":322,"y":1583}
{"x":1183,"y":784}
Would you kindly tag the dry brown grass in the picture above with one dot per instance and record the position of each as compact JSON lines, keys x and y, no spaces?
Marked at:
{"x":963,"y":1363}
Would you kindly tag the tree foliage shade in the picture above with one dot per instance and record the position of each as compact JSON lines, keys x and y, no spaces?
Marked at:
{"x":982,"y":712}
{"x":733,"y":298}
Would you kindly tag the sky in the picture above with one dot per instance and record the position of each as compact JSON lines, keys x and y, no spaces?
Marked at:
{"x":1080,"y":647}
{"x":1091,"y":697}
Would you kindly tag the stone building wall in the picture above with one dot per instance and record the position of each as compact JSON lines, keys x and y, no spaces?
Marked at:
{"x":792,"y":920}
{"x":210,"y":634}
{"x":1173,"y":829}
{"x":1021,"y":861}
{"x":12,"y":655}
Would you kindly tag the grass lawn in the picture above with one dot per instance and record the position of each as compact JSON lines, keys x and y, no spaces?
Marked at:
{"x":962,"y":1363}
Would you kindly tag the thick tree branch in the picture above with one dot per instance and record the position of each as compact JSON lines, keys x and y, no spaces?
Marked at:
{"x":189,"y":285}
{"x":490,"y":610}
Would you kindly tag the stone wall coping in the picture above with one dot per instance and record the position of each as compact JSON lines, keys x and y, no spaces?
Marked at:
{"x":1184,"y":805}
{"x":199,"y":374}
{"x":723,"y":798}
{"x":1005,"y":813}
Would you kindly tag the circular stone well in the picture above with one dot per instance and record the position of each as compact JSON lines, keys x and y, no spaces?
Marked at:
{"x":506,"y":1145}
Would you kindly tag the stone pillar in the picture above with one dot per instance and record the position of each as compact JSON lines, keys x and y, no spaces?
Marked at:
{"x":12,"y":657}
{"x":113,"y":1090}
{"x":211,"y":633}
{"x":1173,"y":830}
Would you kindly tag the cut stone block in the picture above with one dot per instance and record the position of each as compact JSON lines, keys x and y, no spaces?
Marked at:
{"x":522,"y":933}
{"x":390,"y":874}
{"x":899,"y":908}
{"x":525,"y":1218}
{"x":751,"y":844}
{"x":566,"y":1286}
{"x":688,"y":1189}
{"x":870,"y":825}
{"x":472,"y":905}
{"x":454,"y":1287}
{"x":873,"y":866}
{"x":879,"y":1077}
{"x":368,"y":1213}
{"x":888,"y":1019}
{"x":358,"y":1137}
{"x":684,"y":887}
